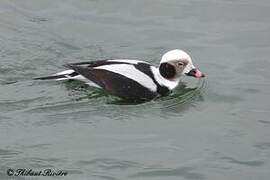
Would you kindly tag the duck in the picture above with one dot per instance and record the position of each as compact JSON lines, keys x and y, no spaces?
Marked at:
{"x":130,"y":78}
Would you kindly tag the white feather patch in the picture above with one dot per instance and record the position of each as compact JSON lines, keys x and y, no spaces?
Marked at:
{"x":131,"y":72}
{"x":82,"y":78}
{"x":69,"y":71}
{"x":162,"y":81}
{"x":90,"y":83}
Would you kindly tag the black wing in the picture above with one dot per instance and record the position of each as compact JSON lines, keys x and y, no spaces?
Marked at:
{"x":81,"y":64}
{"x":95,"y":63}
{"x":114,"y":83}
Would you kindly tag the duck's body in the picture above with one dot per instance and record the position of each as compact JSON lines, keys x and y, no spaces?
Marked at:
{"x":130,"y":79}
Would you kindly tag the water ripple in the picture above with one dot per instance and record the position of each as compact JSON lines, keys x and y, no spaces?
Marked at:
{"x":185,"y":172}
{"x":246,"y":163}
{"x":263,"y":145}
{"x":110,"y":163}
{"x":106,"y":177}
{"x":5,"y":152}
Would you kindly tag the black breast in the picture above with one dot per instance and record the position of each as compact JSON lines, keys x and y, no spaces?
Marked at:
{"x":146,"y":68}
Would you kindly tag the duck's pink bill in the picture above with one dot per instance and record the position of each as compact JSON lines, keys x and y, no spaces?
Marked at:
{"x":199,"y":74}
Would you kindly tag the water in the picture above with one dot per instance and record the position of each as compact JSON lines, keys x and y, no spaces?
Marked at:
{"x":218,"y":128}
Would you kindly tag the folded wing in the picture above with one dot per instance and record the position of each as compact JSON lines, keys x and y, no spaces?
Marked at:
{"x":120,"y":83}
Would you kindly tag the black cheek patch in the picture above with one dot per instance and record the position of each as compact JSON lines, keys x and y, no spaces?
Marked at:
{"x":167,"y":70}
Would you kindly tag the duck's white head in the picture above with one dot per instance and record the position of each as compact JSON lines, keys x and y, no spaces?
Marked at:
{"x":176,"y":62}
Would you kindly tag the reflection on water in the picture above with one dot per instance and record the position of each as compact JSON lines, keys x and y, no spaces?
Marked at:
{"x":184,"y":94}
{"x":181,"y":95}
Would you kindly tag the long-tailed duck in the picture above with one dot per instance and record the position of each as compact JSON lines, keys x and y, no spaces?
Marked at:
{"x":132,"y":79}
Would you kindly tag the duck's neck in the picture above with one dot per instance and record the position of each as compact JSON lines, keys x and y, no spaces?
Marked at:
{"x":169,"y":83}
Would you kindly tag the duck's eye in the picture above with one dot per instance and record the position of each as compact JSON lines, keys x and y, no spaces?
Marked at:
{"x":180,"y":64}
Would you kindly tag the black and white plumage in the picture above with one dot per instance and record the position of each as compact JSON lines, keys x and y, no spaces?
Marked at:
{"x":132,"y":79}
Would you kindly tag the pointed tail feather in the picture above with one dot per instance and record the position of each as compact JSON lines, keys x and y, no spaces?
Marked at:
{"x":64,"y":75}
{"x":52,"y":77}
